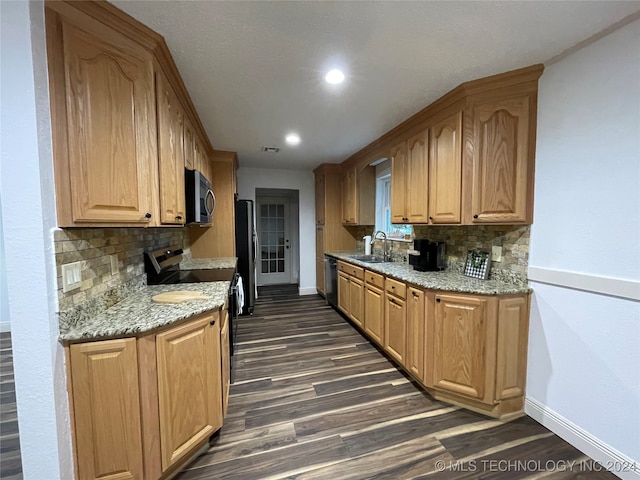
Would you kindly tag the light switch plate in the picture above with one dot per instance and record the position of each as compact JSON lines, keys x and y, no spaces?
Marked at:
{"x":114,"y":264}
{"x":71,"y":276}
{"x":496,"y":253}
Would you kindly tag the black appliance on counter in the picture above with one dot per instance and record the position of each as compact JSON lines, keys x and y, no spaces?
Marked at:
{"x":427,"y":256}
{"x":163,"y":268}
{"x":246,"y":248}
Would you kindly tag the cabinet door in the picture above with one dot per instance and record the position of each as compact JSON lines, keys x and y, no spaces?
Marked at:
{"x":445,"y":170}
{"x":320,"y":197}
{"x":461,"y":345}
{"x":356,"y":301}
{"x":417,"y":178}
{"x":189,"y":387}
{"x":320,"y":266}
{"x":111,"y":128}
{"x":374,"y":314}
{"x":416,"y":333}
{"x":170,"y":152}
{"x":225,"y":362}
{"x":189,"y":145}
{"x":349,"y":197}
{"x":511,"y":350}
{"x":343,"y":292}
{"x":502,"y":169}
{"x":395,"y":314}
{"x":399,"y":183}
{"x":104,"y":377}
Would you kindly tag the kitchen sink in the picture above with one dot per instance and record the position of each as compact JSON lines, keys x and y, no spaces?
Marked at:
{"x":368,"y":258}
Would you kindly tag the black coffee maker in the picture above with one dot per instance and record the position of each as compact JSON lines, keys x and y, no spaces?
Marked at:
{"x":427,"y":256}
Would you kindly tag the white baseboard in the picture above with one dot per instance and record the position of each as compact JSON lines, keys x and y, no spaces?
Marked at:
{"x":307,"y":291}
{"x":5,"y":327}
{"x":619,"y":464}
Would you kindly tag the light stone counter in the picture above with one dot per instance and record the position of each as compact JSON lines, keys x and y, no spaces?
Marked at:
{"x":208,"y":263}
{"x":136,"y":313}
{"x":445,"y":280}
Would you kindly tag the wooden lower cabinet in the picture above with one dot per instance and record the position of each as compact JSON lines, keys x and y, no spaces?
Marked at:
{"x":142,"y":407}
{"x":343,"y":292}
{"x":356,"y":301}
{"x":225,"y":362}
{"x":189,"y":386}
{"x":395,"y":332}
{"x":414,"y":361}
{"x":374,"y":313}
{"x":463,"y":347}
{"x":104,"y":392}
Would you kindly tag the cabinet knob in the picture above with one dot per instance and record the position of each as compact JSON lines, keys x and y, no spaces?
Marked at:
{"x":147,"y":215}
{"x":475,"y":216}
{"x":438,"y":300}
{"x":212,"y":322}
{"x":178,"y":217}
{"x":431,"y":218}
{"x":414,"y":294}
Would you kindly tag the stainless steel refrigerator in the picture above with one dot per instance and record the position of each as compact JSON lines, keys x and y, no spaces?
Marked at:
{"x":246,"y":248}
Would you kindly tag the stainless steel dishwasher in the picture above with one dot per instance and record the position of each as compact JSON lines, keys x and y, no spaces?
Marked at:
{"x":331,"y":280}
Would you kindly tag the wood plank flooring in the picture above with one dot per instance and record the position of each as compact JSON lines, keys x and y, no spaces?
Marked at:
{"x":313,"y":399}
{"x":10,"y":460}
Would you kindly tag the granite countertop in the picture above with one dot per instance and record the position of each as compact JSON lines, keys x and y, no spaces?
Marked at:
{"x":208,"y":263}
{"x":445,"y":280}
{"x":136,"y":313}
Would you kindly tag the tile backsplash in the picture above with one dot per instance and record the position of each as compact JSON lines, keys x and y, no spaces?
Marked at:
{"x":94,"y":248}
{"x":514,"y":240}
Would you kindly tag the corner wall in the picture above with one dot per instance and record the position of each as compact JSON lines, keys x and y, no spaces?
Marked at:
{"x":583,"y":377}
{"x":302,"y":180}
{"x":28,"y":217}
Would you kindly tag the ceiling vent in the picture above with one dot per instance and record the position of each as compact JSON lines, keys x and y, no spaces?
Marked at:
{"x":270,"y":149}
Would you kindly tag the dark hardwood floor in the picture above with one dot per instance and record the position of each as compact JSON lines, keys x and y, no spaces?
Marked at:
{"x":313,"y":399}
{"x":10,"y":460}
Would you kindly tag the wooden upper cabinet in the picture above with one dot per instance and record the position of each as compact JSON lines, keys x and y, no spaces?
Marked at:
{"x":502,"y":184}
{"x":359,"y":196}
{"x":409,"y":180}
{"x":417,"y":178}
{"x":171,"y":153}
{"x":399,"y":173}
{"x":464,"y":346}
{"x":104,"y":150}
{"x":189,"y":143}
{"x":349,"y":197}
{"x":445,"y":170}
{"x":190,"y":399}
{"x":320,"y":180}
{"x":104,"y":387}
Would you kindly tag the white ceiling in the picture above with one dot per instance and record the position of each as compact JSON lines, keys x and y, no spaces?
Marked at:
{"x":254,"y":69}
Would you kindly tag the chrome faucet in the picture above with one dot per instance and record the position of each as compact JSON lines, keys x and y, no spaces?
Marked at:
{"x":385,"y":254}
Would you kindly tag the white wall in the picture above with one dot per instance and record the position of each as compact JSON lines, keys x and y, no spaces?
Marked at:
{"x":5,"y":325}
{"x":584,"y":361}
{"x":302,"y":180}
{"x":28,"y":215}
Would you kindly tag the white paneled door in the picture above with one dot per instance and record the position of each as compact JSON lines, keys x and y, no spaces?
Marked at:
{"x":274,"y":255}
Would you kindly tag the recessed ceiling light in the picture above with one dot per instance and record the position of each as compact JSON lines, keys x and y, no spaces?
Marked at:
{"x":292,"y":139}
{"x":334,"y":76}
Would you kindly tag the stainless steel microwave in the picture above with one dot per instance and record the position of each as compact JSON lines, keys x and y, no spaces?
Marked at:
{"x":200,"y":200}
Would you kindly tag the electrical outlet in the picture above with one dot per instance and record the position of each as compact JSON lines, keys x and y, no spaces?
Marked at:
{"x":114,"y":264}
{"x":496,"y":253}
{"x":71,"y":276}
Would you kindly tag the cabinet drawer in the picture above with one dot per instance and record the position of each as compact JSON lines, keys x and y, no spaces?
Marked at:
{"x":351,"y":270}
{"x":396,"y":288}
{"x":374,"y":279}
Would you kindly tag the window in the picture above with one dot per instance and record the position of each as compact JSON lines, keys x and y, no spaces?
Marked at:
{"x":383,"y":207}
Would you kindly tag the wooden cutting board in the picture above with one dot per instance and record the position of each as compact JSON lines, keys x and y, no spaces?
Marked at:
{"x":179,"y":296}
